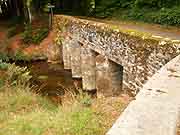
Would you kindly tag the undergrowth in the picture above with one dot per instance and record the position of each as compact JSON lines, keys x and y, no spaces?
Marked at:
{"x":17,"y":56}
{"x":166,"y":12}
{"x":23,"y":112}
{"x":35,"y":36}
{"x":164,"y":16}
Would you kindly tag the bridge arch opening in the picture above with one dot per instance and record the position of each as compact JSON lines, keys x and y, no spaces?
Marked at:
{"x":109,"y":77}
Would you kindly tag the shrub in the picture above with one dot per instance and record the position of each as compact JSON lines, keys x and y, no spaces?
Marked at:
{"x":166,"y":12}
{"x":27,"y":34}
{"x":17,"y":75}
{"x":106,"y":8}
{"x":3,"y":65}
{"x":148,"y":4}
{"x":20,"y":56}
{"x":39,"y":35}
{"x":169,"y":16}
{"x":164,"y":16}
{"x":35,"y":36}
{"x":155,"y":3}
{"x":4,"y":57}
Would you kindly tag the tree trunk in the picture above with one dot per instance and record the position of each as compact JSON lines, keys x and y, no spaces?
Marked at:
{"x":29,"y":14}
{"x":17,"y":7}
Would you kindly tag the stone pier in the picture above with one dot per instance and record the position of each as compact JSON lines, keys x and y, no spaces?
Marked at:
{"x":76,"y":59}
{"x":109,"y":77}
{"x":67,"y":53}
{"x":88,"y":68}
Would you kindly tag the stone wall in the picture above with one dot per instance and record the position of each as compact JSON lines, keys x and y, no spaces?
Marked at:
{"x":155,"y":110}
{"x":140,"y":54}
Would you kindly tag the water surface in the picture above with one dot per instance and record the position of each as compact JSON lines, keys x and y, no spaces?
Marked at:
{"x":52,"y":79}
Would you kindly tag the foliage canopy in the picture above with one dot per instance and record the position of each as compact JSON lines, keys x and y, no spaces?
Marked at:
{"x":156,"y":11}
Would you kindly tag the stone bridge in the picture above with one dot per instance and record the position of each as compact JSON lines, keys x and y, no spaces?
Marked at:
{"x":116,"y":54}
{"x":113,"y":60}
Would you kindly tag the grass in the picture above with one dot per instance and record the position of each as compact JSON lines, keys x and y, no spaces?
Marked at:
{"x":30,"y":114}
{"x":22,"y":112}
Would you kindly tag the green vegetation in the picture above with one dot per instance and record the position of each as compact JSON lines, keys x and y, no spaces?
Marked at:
{"x":18,"y":56}
{"x":4,"y":56}
{"x":164,"y":16}
{"x":166,"y":12}
{"x":24,"y":112}
{"x":13,"y":75}
{"x":34,"y":36}
{"x":153,"y":11}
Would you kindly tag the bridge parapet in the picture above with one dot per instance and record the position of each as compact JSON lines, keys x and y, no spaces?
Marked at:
{"x":140,"y":54}
{"x":155,"y":110}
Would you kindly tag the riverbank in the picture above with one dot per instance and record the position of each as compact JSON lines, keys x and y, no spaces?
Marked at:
{"x":23,"y":42}
{"x":43,"y":98}
{"x":22,"y":111}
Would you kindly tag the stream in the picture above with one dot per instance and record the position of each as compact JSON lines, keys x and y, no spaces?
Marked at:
{"x":52,"y":79}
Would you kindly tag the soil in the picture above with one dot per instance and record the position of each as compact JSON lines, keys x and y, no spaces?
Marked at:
{"x":15,"y":43}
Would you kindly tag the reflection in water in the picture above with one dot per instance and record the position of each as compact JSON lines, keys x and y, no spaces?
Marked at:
{"x":52,"y":79}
